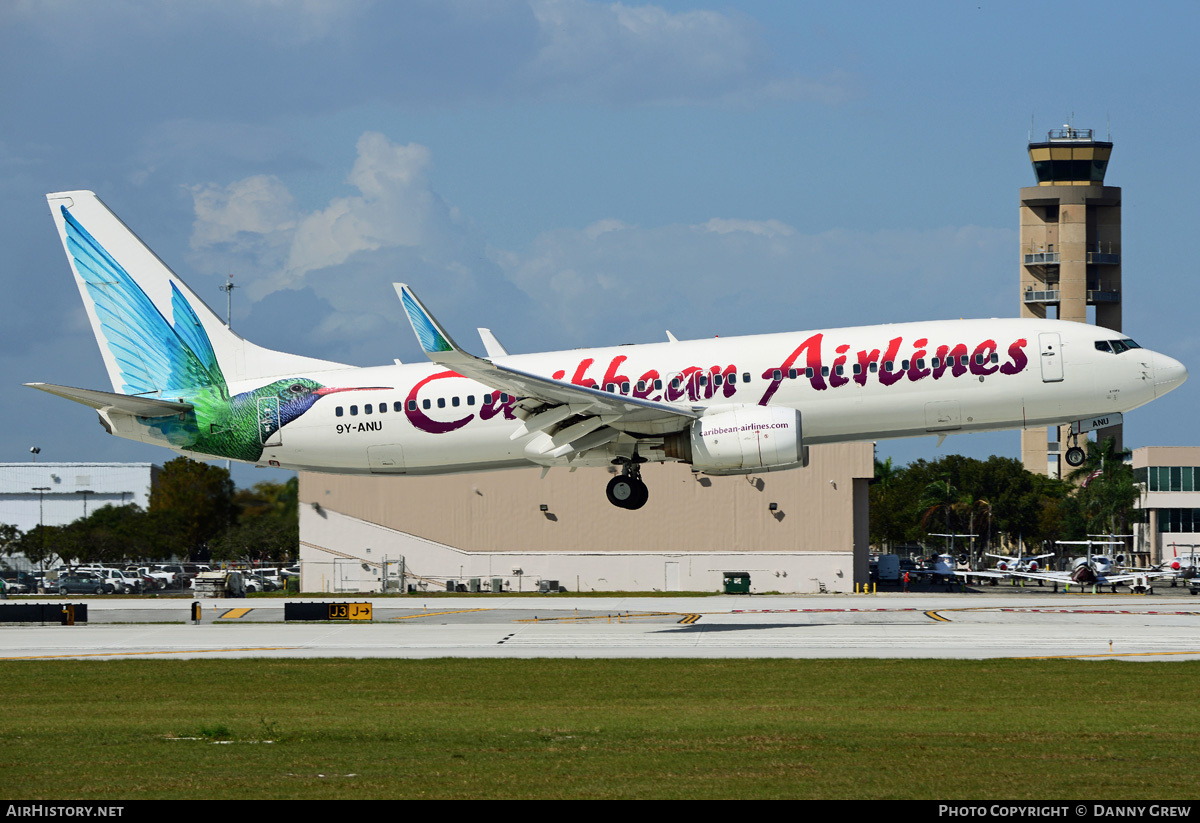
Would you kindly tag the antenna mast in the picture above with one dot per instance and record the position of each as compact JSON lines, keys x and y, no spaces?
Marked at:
{"x":228,"y":289}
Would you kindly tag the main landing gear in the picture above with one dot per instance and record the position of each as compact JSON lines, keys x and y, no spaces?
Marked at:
{"x":627,"y":490}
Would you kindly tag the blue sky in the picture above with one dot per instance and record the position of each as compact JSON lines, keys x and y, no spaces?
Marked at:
{"x":575,"y":173}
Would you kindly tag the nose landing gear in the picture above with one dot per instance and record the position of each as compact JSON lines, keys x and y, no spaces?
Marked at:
{"x":627,"y":490}
{"x":1075,"y":455}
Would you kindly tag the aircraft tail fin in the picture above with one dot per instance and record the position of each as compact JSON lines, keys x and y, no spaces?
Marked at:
{"x":157,"y":337}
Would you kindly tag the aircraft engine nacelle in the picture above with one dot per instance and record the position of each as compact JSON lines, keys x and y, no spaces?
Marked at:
{"x":741,"y":440}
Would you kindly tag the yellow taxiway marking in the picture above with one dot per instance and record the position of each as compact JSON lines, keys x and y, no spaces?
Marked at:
{"x":233,"y":614}
{"x":438,"y":614}
{"x":135,"y":654}
{"x":938,"y":617}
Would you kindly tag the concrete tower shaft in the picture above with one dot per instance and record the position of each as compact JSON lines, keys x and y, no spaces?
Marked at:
{"x":1070,"y":255}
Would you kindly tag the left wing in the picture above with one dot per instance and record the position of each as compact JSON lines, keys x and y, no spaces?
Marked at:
{"x":553,"y":401}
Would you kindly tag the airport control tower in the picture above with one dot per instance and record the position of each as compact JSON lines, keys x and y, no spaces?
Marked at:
{"x":1070,"y":257}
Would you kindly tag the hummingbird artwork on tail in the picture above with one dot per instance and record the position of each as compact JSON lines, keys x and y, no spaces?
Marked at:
{"x":153,"y":359}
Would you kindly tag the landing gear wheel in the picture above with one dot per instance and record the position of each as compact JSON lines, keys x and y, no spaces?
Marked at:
{"x":627,"y":492}
{"x":620,"y":491}
{"x":1075,"y":457}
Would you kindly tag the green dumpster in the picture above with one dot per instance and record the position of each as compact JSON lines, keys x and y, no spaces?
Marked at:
{"x":737,"y":582}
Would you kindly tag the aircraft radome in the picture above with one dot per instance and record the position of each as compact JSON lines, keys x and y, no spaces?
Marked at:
{"x":731,"y":405}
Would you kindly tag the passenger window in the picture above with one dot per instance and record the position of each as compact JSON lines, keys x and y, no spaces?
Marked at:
{"x":858,"y":368}
{"x":716,"y":379}
{"x":425,"y":403}
{"x":732,"y":379}
{"x":777,"y":375}
{"x":454,"y":401}
{"x":920,"y":362}
{"x":641,"y":386}
{"x":397,"y":406}
{"x":962,"y":360}
{"x":937,"y":361}
{"x":487,"y":400}
{"x":995,"y":357}
{"x":903,"y":365}
{"x":887,"y":365}
{"x":824,"y":371}
{"x":382,"y":408}
{"x":874,"y":367}
{"x":624,"y":388}
{"x":412,"y":405}
{"x":470,"y":400}
{"x":808,"y":372}
{"x":792,"y":373}
{"x":441,"y":402}
{"x":658,"y":385}
{"x":367,"y":409}
{"x":745,"y":377}
{"x":338,"y":411}
{"x":353,"y":411}
{"x":703,"y":380}
{"x":839,"y":370}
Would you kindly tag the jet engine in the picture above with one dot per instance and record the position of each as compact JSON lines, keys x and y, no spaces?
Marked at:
{"x":741,"y":440}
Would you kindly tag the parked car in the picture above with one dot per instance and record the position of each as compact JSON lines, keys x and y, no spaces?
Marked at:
{"x":19,"y":582}
{"x":78,"y":584}
{"x":115,"y":581}
{"x":183,"y":577}
{"x":258,"y":583}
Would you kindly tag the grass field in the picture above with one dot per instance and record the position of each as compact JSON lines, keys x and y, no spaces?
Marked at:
{"x":599,"y":729}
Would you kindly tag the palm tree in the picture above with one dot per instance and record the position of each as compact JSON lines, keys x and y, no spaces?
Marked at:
{"x":1106,"y":489}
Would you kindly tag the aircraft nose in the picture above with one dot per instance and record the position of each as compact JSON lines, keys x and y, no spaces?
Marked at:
{"x":1169,"y":374}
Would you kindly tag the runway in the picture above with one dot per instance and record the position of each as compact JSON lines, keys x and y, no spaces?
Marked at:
{"x":968,"y":626}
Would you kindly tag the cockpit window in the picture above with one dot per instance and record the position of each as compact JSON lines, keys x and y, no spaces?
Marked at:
{"x":1116,"y":346}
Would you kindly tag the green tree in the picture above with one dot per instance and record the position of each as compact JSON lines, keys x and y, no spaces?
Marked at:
{"x":198,"y":500}
{"x":268,"y":525}
{"x":1107,"y":492}
{"x":10,"y":539}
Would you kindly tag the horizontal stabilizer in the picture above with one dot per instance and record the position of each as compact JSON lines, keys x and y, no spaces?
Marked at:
{"x":102,"y":400}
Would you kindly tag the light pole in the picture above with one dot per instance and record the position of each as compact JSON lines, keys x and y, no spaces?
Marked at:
{"x":85,"y":493}
{"x":41,"y":490}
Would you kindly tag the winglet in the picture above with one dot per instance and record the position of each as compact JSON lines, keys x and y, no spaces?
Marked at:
{"x":430,"y":335}
{"x":493,"y":346}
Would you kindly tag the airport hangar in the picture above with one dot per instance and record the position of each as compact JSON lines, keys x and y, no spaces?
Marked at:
{"x":801,"y":530}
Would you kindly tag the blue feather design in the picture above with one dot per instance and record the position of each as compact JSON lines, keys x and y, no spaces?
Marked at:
{"x":153,"y":356}
{"x":431,"y":339}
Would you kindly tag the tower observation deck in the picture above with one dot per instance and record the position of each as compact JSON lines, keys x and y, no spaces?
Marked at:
{"x":1070,"y":256}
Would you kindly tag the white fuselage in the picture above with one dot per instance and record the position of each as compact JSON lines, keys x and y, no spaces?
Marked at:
{"x":849,"y":384}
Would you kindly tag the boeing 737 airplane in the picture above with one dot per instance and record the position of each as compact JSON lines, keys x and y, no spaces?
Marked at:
{"x":731,"y":405}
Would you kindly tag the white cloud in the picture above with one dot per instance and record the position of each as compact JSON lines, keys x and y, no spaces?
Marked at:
{"x":743,"y":276}
{"x":636,"y":54}
{"x":607,"y":282}
{"x":395,"y":207}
